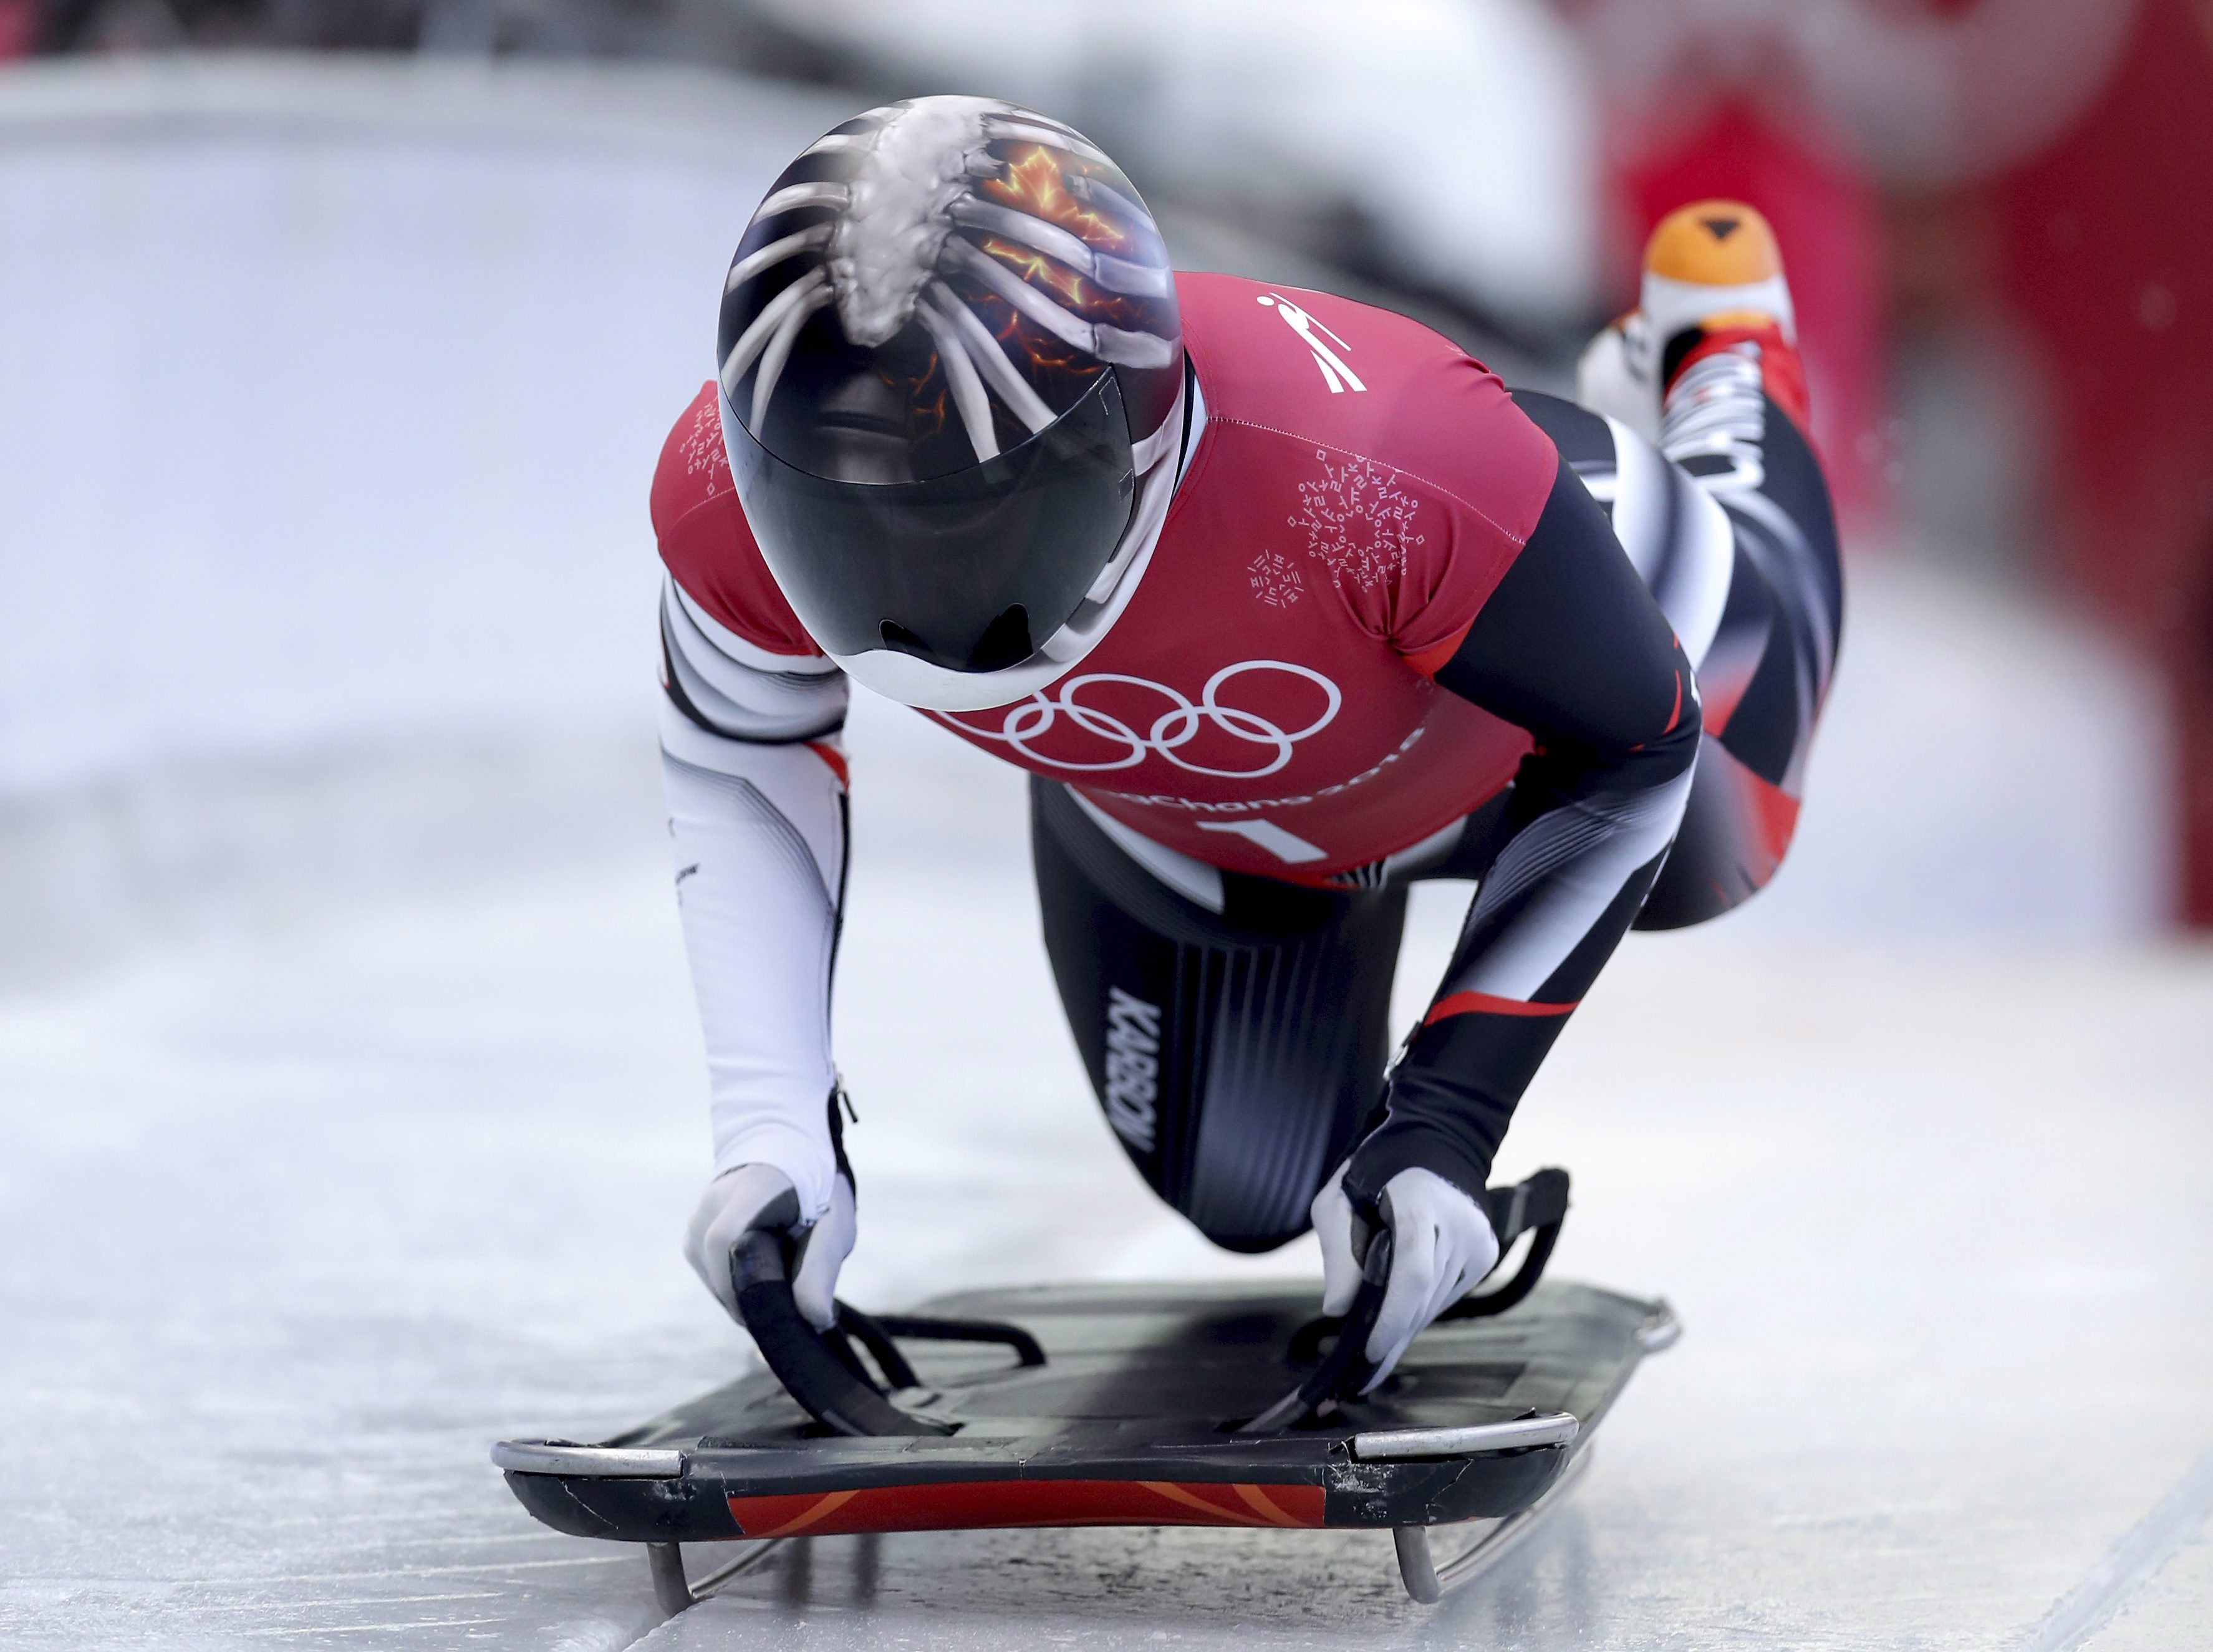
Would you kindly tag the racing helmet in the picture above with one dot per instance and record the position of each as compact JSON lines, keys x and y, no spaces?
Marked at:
{"x":952,"y":378}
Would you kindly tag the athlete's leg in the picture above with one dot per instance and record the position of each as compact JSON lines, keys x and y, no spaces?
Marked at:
{"x":1743,"y":560}
{"x":1767,"y":675}
{"x":1235,"y":1031}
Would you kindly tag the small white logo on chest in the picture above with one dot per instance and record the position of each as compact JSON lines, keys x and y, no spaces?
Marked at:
{"x":1334,"y":373}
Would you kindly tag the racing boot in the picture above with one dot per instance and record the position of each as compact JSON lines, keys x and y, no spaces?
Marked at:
{"x":1713,"y":292}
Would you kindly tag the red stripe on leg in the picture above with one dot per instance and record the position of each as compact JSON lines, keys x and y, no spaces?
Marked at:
{"x":1485,"y":1003}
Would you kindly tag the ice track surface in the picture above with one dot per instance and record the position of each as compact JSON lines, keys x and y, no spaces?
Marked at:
{"x":295,"y":1224}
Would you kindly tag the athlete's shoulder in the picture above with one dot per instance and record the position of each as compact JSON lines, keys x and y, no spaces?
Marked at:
{"x":705,"y":544}
{"x":694,"y":471}
{"x":1275,"y":342}
{"x":1313,"y":366}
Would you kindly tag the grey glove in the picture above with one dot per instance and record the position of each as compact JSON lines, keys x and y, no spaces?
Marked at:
{"x":1441,"y":1247}
{"x":761,"y":1196}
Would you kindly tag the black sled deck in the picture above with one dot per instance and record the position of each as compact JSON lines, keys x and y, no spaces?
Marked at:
{"x":1114,"y":1405}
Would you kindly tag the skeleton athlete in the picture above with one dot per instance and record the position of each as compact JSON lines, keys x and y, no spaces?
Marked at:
{"x":1284,"y":602}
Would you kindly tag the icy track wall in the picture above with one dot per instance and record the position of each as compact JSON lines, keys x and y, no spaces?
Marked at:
{"x":329,"y":396}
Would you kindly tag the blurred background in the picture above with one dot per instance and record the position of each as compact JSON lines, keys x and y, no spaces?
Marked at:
{"x":350,"y":1094}
{"x":340,"y":336}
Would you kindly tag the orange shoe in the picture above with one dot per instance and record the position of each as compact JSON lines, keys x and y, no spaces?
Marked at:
{"x":1713,"y":281}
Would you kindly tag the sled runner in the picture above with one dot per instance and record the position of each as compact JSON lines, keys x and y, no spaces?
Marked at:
{"x":1119,"y":1405}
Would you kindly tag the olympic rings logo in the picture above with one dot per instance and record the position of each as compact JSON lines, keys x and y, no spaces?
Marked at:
{"x":1030,"y":720}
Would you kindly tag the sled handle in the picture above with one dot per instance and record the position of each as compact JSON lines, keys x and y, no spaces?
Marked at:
{"x":882,"y":1334}
{"x":1027,"y":1350}
{"x":813,"y":1376}
{"x":1346,"y":1367}
{"x":1536,"y":1207}
{"x":855,"y":1326}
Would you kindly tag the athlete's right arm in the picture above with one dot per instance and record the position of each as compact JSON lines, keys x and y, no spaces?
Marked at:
{"x":756,"y":795}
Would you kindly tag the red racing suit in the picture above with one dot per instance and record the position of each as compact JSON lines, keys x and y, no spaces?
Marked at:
{"x":1265,"y":703}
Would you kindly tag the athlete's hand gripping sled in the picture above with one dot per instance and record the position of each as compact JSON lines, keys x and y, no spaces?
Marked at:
{"x":1132,"y":1405}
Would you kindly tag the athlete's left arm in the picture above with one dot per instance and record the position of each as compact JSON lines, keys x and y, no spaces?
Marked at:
{"x":1572,"y":648}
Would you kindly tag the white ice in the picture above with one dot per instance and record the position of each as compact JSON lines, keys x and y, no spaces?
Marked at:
{"x":310,"y":1197}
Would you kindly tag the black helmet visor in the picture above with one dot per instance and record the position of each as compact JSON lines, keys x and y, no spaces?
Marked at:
{"x":970,"y":571}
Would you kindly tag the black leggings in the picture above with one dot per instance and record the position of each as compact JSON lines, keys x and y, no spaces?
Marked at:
{"x":1236,"y":1053}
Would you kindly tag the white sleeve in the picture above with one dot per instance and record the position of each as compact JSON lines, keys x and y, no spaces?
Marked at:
{"x":757,"y":825}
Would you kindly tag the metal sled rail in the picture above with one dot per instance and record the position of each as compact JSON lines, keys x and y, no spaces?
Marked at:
{"x":1425,"y":1580}
{"x":1391,"y":1445}
{"x":585,"y":1462}
{"x":673,"y":1592}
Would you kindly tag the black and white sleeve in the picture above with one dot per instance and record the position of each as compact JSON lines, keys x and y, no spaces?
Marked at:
{"x":755,"y":781}
{"x":1572,"y":648}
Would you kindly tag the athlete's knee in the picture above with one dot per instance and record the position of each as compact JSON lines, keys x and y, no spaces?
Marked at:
{"x":1173,"y":1098}
{"x":1232,"y":1047}
{"x":1737,"y":826}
